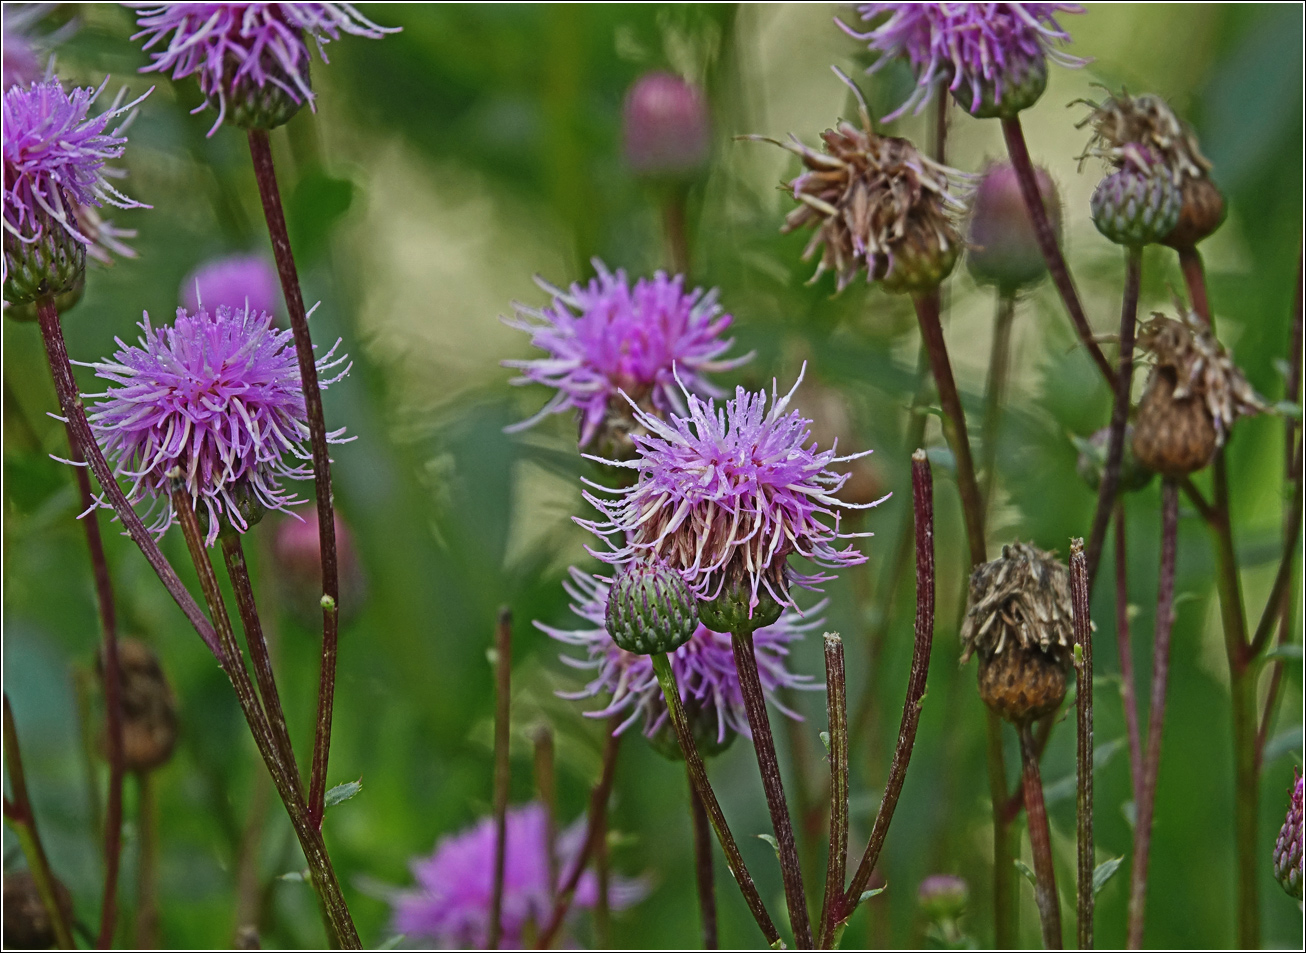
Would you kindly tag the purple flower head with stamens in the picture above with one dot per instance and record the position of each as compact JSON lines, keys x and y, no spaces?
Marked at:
{"x":608,"y":337}
{"x":450,"y":907}
{"x":725,"y":495}
{"x":56,"y":174}
{"x":1288,"y":854}
{"x":219,"y":398}
{"x":22,"y":64}
{"x":704,"y":668}
{"x":252,"y":59}
{"x":992,"y":56}
{"x":234,"y":281}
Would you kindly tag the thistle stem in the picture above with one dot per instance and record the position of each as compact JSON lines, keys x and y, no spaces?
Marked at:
{"x":1156,"y":713}
{"x":836,"y":706}
{"x":1083,"y":745}
{"x":1110,"y":482}
{"x":322,"y":875}
{"x":768,"y":765}
{"x":1005,"y":912}
{"x":147,"y":863}
{"x":1124,"y":647}
{"x":70,"y":402}
{"x":1040,"y":842}
{"x":698,"y":775}
{"x":676,"y":229}
{"x":703,"y":878}
{"x":1018,"y":152}
{"x":923,"y":507}
{"x":596,"y":828}
{"x":234,"y":555}
{"x":20,"y":815}
{"x":547,"y":788}
{"x":999,"y":360}
{"x":502,"y":767}
{"x":260,"y":149}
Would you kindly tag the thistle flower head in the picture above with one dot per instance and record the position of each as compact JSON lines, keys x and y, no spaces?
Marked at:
{"x":991,"y":56}
{"x":450,"y":906}
{"x":704,"y":668}
{"x":1288,"y":856}
{"x":251,"y":58}
{"x":218,"y":397}
{"x":234,"y":281}
{"x":943,"y":896}
{"x":22,"y":64}
{"x":56,"y":174}
{"x":665,"y":125}
{"x":1004,"y":249}
{"x":610,"y":337}
{"x":725,"y":494}
{"x":876,"y":203}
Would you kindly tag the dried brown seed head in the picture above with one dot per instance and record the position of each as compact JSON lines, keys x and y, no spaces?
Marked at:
{"x":149,"y":708}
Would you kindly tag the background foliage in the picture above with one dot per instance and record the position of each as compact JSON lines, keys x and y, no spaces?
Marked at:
{"x":447,"y":165}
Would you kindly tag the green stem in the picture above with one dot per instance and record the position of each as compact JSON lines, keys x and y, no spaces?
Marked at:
{"x":1083,"y":745}
{"x":836,"y":703}
{"x":502,"y":767}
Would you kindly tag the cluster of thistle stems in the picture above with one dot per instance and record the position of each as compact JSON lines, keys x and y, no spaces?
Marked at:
{"x":258,"y":697}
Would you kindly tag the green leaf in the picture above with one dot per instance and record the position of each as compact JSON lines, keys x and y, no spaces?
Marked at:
{"x":1290,"y":653}
{"x":772,"y":841}
{"x":1024,"y":869}
{"x":1287,"y":740}
{"x":343,"y":792}
{"x":295,"y":876}
{"x":825,"y":740}
{"x":1104,"y":872}
{"x":868,"y":894}
{"x":1287,"y":408}
{"x":316,"y":206}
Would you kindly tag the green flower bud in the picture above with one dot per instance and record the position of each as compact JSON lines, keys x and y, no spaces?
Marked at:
{"x":650,"y":609}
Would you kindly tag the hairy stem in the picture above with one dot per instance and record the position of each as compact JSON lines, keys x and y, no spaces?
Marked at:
{"x":1156,"y":714}
{"x":502,"y":768}
{"x":1040,"y":842}
{"x":1110,"y":483}
{"x":20,"y":815}
{"x":1083,"y":746}
{"x":703,"y":868}
{"x":836,"y":705}
{"x":1018,"y":152}
{"x":923,"y":507}
{"x":260,"y":149}
{"x":698,"y":774}
{"x":768,"y":764}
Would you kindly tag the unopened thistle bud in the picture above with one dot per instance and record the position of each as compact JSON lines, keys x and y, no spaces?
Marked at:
{"x":1194,"y":395}
{"x":666,"y":127}
{"x":1128,"y":130}
{"x":650,"y":609}
{"x":736,"y":608}
{"x":1092,"y":460}
{"x":149,"y":708}
{"x":1004,"y":249}
{"x":27,"y":924}
{"x":1288,"y":848}
{"x":943,"y":897}
{"x":1019,"y":620}
{"x":877,"y":204}
{"x":1138,"y":204}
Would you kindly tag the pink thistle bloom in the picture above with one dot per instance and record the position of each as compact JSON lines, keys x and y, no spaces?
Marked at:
{"x":56,"y":170}
{"x":1288,"y":854}
{"x":217,"y":397}
{"x":609,"y":337}
{"x":450,"y":907}
{"x":725,"y":495}
{"x":704,"y":667}
{"x":234,"y":281}
{"x":22,"y":65}
{"x":241,"y":48}
{"x":972,"y":47}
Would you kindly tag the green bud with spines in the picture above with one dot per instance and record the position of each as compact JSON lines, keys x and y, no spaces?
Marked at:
{"x":1138,"y":204}
{"x":733,"y":609}
{"x":650,"y":609}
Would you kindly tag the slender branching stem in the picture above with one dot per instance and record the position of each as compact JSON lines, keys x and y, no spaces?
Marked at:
{"x":1005,"y":911}
{"x":1042,"y":735}
{"x":1125,"y":649}
{"x":1156,"y":714}
{"x":923,"y":507}
{"x":1083,"y":745}
{"x":18,"y":812}
{"x":596,"y":828}
{"x":676,"y":228}
{"x":237,"y":570}
{"x":1018,"y":152}
{"x":147,"y":863}
{"x":1190,"y":263}
{"x":1110,"y":482}
{"x":836,"y":706}
{"x":698,"y":775}
{"x":502,"y":767}
{"x":703,"y":878}
{"x":602,"y":872}
{"x":999,"y":361}
{"x":260,"y":148}
{"x":768,"y":765}
{"x":547,"y":788}
{"x":1040,"y":841}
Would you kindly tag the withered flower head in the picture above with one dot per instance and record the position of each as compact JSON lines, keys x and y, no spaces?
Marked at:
{"x":1020,"y":621}
{"x":1194,"y":395}
{"x":1143,"y":131}
{"x":876,"y":203}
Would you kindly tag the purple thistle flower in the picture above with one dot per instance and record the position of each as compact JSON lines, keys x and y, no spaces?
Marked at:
{"x":450,"y":908}
{"x":244,"y":50}
{"x":233,"y":281}
{"x":22,"y":65}
{"x":608,"y":337}
{"x":976,"y":48}
{"x":704,"y":666}
{"x":1288,"y":854}
{"x":56,"y":168}
{"x":218,"y":397}
{"x":724,"y":495}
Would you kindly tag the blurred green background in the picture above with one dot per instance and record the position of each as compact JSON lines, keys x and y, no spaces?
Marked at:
{"x":447,"y":165}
